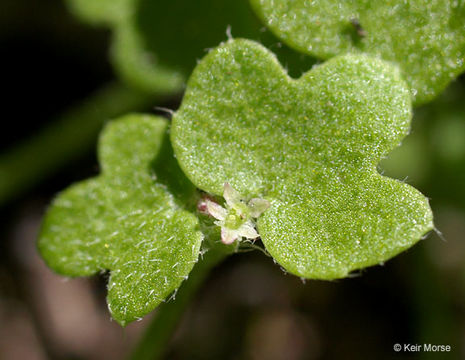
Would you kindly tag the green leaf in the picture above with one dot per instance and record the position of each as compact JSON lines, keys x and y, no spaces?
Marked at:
{"x":426,"y":38}
{"x":125,"y":221}
{"x":433,"y":155}
{"x":156,"y":44}
{"x":310,"y":146}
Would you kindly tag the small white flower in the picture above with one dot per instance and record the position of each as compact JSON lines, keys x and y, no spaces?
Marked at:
{"x":236,"y":220}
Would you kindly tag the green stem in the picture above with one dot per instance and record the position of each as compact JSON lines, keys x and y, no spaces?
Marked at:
{"x":158,"y":333}
{"x":73,"y":133}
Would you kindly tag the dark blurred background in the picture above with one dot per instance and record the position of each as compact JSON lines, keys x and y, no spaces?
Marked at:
{"x":248,"y":308}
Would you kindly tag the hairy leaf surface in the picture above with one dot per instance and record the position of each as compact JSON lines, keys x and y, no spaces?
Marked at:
{"x":310,"y":146}
{"x":426,"y":38}
{"x":126,"y":221}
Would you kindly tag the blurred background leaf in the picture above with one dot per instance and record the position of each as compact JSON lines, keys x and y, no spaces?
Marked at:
{"x":156,"y":44}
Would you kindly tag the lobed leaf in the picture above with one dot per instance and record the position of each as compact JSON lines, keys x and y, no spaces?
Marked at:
{"x":310,"y":146}
{"x":426,"y":38}
{"x":126,"y":221}
{"x":433,"y":156}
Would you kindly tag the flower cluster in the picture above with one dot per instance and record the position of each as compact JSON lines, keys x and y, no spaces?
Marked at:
{"x":236,"y":219}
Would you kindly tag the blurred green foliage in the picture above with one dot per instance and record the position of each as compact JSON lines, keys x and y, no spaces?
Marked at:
{"x":161,"y":64}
